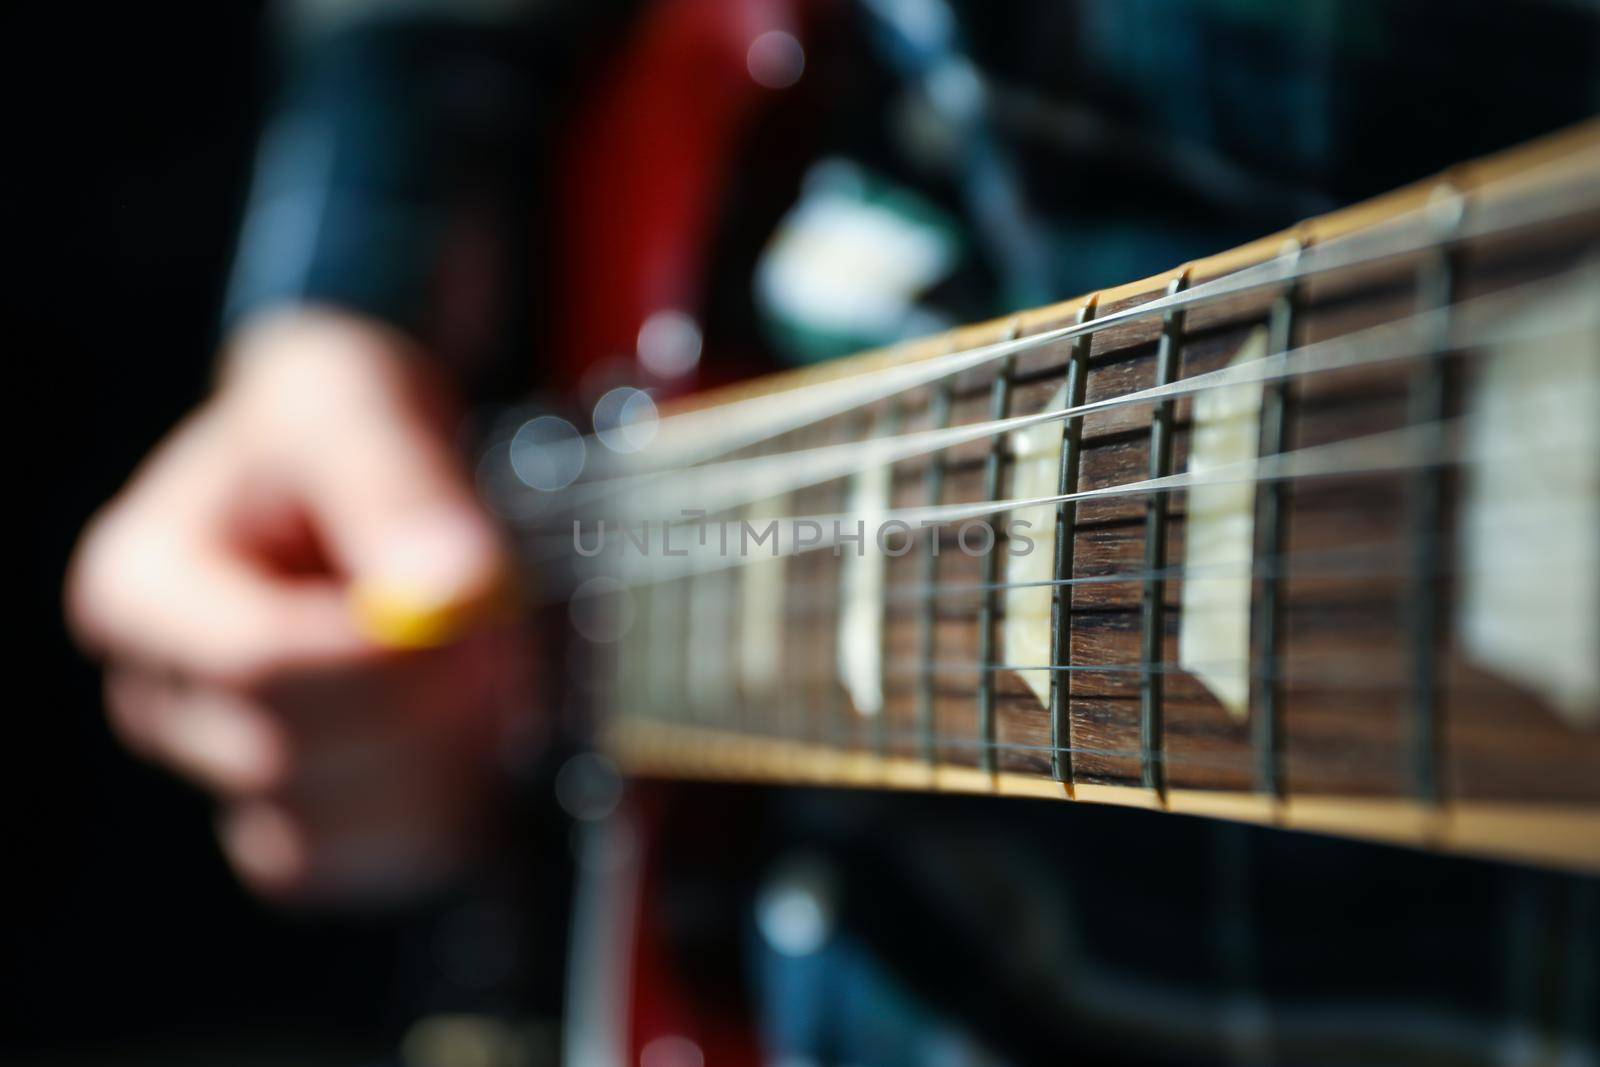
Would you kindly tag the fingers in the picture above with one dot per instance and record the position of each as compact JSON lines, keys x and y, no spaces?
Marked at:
{"x":396,"y":815}
{"x":353,"y":416}
{"x":335,"y":421}
{"x":150,"y":587}
{"x":315,"y":726}
{"x":267,"y":847}
{"x":356,"y":782}
{"x":424,"y":557}
{"x":319,"y":852}
{"x":351,"y":750}
{"x":221,"y":740}
{"x":387,"y":813}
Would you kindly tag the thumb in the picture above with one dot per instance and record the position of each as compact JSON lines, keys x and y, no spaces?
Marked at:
{"x":399,"y":515}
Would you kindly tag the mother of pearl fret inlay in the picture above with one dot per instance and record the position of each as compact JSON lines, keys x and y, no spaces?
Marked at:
{"x":761,"y":607}
{"x":1028,"y":572}
{"x":1219,"y":539}
{"x":862,"y":570}
{"x":1530,"y":590}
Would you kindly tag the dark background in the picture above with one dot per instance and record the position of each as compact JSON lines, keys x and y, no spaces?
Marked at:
{"x":125,"y":935}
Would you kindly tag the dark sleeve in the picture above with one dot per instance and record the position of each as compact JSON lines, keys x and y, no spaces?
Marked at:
{"x":395,"y":170}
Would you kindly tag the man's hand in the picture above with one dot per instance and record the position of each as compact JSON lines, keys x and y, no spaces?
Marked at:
{"x":220,"y":584}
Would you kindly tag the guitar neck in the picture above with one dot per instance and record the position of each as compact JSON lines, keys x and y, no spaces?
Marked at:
{"x":1301,"y":534}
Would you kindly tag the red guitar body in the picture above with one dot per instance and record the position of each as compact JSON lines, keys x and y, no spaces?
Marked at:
{"x":644,"y":169}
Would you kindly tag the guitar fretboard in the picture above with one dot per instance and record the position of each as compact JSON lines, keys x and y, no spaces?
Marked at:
{"x":1302,"y":534}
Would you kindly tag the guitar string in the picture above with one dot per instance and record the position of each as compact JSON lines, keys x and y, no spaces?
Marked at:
{"x":1492,"y":214}
{"x":1432,"y":444}
{"x":1301,"y":671}
{"x":804,"y":608}
{"x":1299,"y":563}
{"x":1468,"y":325}
{"x":1304,"y":670}
{"x":1422,"y":446}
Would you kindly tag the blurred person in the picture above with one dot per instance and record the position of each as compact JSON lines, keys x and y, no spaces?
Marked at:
{"x":324,"y":472}
{"x":242,"y":588}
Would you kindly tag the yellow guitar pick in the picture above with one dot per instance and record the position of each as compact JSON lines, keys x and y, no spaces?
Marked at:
{"x":396,"y":616}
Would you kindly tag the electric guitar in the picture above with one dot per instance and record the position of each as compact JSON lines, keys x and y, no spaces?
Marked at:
{"x":1300,"y":535}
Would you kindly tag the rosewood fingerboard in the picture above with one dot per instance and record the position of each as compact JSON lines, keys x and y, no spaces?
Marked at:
{"x":1366,"y":715}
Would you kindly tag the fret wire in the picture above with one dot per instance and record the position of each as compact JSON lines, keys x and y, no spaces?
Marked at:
{"x":838,"y":723}
{"x":1271,"y":529}
{"x":736,"y":715}
{"x":1061,"y":761}
{"x":994,"y":466}
{"x":1402,"y":235}
{"x":819,"y":575}
{"x":728,"y":665}
{"x":695,"y":710}
{"x":940,"y":405}
{"x":1438,"y":281}
{"x":635,"y":665}
{"x":679,"y":602}
{"x":1152,"y":630}
{"x":791,"y":720}
{"x":880,"y":722}
{"x":666,"y":661}
{"x":840,"y":716}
